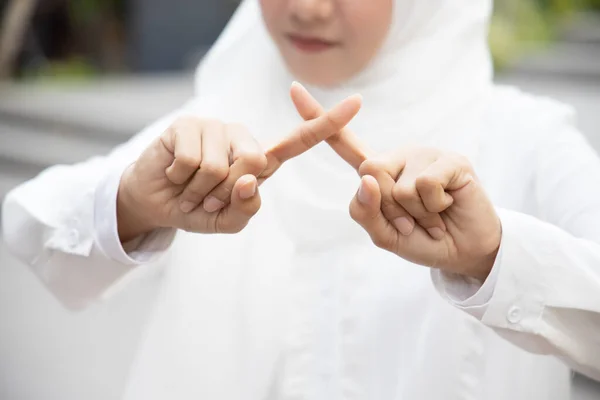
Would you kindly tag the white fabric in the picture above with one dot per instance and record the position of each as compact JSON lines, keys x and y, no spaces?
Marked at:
{"x":131,"y":253}
{"x":464,"y":292}
{"x":301,"y":305}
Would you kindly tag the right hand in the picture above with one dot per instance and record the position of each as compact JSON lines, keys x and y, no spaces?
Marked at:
{"x":202,"y":175}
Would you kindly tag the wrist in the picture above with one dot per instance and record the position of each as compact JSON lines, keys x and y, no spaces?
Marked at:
{"x":482,"y":268}
{"x":131,"y":221}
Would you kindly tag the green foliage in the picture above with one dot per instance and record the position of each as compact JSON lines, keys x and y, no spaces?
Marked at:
{"x":82,"y":11}
{"x":73,"y":69}
{"x":517,"y":25}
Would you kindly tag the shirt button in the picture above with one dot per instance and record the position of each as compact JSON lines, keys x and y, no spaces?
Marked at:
{"x":72,"y":238}
{"x":514,"y":315}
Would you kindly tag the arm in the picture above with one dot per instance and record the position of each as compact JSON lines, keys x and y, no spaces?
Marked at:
{"x":189,"y":173}
{"x":541,"y":285}
{"x":544,"y":292}
{"x":63,"y":224}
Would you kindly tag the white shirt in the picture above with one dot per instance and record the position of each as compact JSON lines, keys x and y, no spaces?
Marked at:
{"x":363,"y":328}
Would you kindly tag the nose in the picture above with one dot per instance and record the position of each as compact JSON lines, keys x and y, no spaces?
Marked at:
{"x":311,"y":11}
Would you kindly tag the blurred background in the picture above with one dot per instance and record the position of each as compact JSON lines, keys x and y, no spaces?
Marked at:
{"x":78,"y":77}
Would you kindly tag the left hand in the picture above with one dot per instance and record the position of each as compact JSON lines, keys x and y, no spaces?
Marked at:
{"x":423,"y":204}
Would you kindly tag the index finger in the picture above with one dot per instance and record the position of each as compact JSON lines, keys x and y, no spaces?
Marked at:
{"x":345,"y":143}
{"x":310,"y":133}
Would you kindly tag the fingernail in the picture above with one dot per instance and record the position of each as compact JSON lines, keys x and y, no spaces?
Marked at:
{"x":363,"y":196}
{"x":212,"y":204}
{"x":404,"y":225}
{"x":248,"y":189}
{"x":186,"y":206}
{"x":436,"y":233}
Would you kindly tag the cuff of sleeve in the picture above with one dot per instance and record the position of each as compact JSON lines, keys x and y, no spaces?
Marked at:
{"x":512,"y":296}
{"x":519,"y":295}
{"x":468,"y":294}
{"x":141,"y":250}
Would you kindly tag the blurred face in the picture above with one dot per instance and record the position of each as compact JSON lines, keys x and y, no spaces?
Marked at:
{"x":326,"y":42}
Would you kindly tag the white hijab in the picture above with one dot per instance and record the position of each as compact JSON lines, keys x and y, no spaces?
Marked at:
{"x":216,"y":330}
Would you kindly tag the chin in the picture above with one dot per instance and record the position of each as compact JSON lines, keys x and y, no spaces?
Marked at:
{"x":313,"y":75}
{"x":320,"y":79}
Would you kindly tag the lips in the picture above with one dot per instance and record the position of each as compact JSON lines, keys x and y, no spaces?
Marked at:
{"x":310,"y":44}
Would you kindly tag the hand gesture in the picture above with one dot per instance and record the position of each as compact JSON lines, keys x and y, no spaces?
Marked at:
{"x":202,"y":175}
{"x":425,"y":205}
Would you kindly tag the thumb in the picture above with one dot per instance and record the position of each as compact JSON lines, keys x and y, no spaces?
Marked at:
{"x":365,"y":209}
{"x":245,"y":203}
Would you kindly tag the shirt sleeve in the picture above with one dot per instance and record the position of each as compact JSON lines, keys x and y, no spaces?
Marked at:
{"x":63,"y":223}
{"x":468,"y":294}
{"x":546,"y":291}
{"x":141,"y":250}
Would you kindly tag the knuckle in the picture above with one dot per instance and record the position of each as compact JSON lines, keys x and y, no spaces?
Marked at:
{"x":238,"y":228}
{"x":355,"y":212}
{"x":430,"y":220}
{"x":371,"y":166}
{"x":232,"y":228}
{"x":222,"y":193}
{"x":464,"y":163}
{"x":425,"y":181}
{"x":171,"y":131}
{"x":238,"y":221}
{"x":404,"y":193}
{"x":252,"y":212}
{"x":232,"y":225}
{"x":192,"y":194}
{"x":210,"y":126}
{"x":214,"y":170}
{"x":461,"y":161}
{"x":249,"y":210}
{"x":366,"y":168}
{"x":391,"y":209}
{"x":189,"y":161}
{"x":382,"y":241}
{"x":255,"y":162}
{"x":187,"y":125}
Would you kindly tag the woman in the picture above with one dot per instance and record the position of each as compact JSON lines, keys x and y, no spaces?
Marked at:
{"x":300,"y":303}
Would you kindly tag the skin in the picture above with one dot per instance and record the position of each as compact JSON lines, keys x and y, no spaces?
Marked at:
{"x":407,"y":193}
{"x":202,"y":175}
{"x":356,"y":30}
{"x":425,"y":205}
